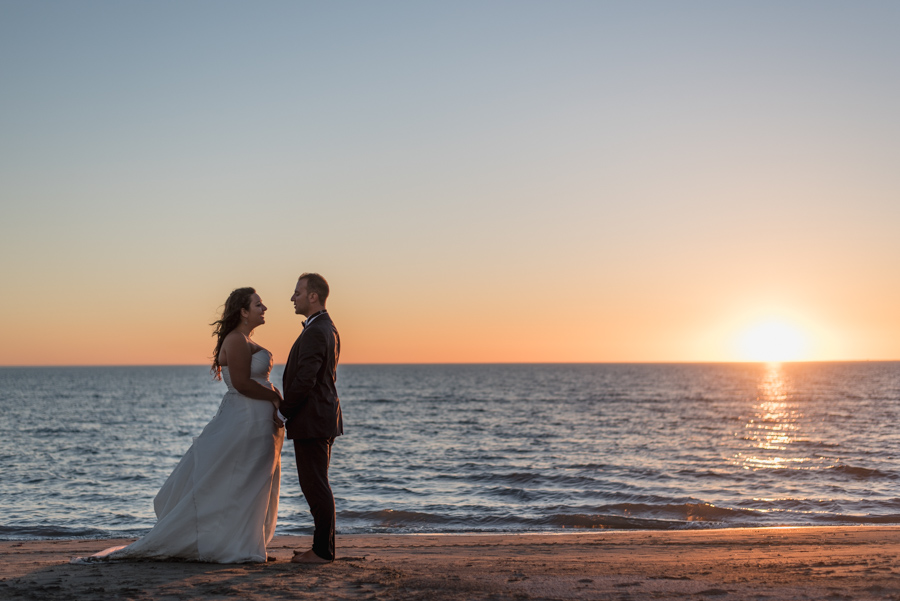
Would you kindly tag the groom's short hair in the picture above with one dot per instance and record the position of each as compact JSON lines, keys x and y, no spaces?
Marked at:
{"x":316,"y":283}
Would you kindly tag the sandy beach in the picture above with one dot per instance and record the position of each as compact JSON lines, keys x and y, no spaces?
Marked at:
{"x":733,"y":564}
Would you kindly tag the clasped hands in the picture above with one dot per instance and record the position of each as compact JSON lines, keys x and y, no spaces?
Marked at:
{"x":277,"y":405}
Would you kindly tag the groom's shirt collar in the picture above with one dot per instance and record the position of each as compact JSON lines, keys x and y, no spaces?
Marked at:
{"x":310,"y":319}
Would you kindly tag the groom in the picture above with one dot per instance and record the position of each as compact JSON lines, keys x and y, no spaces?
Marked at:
{"x":312,"y":411}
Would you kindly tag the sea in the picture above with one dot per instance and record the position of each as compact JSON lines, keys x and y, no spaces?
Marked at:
{"x":507,"y":448}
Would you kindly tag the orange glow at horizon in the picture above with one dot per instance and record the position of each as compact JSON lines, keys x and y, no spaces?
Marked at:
{"x":425,"y":327}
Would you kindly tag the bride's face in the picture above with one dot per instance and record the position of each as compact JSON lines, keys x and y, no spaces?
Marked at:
{"x":256,"y":313}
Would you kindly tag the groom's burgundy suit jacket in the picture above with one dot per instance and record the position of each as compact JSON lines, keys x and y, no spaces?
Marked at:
{"x":311,"y":404}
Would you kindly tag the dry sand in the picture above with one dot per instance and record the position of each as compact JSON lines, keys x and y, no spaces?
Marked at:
{"x":740,"y":564}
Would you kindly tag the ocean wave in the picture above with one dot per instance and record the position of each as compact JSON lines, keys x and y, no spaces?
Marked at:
{"x":625,"y":516}
{"x":612,"y":522}
{"x":679,"y":513}
{"x":861,"y":473}
{"x":863,"y":519}
{"x":620,"y":516}
{"x":33,"y":532}
{"x":804,"y":471}
{"x":707,"y":474}
{"x":54,"y":431}
{"x":521,"y":478}
{"x":393,"y":518}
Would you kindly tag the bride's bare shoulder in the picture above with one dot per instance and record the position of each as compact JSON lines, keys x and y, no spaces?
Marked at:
{"x":235,"y":345}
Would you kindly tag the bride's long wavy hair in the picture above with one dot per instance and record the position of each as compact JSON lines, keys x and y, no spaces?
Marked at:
{"x":231,"y":318}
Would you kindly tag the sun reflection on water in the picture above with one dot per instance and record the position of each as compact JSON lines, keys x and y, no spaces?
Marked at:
{"x":774,"y":425}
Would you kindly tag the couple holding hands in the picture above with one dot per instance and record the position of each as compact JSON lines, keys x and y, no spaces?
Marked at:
{"x":220,"y":504}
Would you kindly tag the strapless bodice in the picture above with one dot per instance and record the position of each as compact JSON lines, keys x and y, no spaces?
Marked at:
{"x":260,"y":367}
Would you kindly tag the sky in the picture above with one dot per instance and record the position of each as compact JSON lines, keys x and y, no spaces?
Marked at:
{"x":480,"y":182}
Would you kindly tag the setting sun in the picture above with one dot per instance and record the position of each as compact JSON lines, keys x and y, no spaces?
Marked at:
{"x":773,"y":341}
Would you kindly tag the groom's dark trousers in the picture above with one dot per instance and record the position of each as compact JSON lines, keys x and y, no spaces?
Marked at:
{"x":313,"y":411}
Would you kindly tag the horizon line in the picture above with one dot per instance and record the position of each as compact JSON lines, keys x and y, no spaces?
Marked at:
{"x":445,"y":363}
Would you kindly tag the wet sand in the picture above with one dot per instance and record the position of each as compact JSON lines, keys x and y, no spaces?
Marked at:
{"x":736,"y":564}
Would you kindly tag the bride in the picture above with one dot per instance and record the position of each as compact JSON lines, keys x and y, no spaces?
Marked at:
{"x":220,"y":503}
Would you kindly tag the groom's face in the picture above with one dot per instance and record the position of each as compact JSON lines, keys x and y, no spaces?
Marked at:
{"x":301,"y":299}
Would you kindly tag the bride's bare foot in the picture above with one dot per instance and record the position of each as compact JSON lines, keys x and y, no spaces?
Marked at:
{"x":307,"y":557}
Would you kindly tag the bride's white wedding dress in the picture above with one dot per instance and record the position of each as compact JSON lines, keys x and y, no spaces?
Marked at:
{"x":220,"y":503}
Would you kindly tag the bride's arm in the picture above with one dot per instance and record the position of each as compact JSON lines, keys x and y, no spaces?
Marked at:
{"x":238,"y":353}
